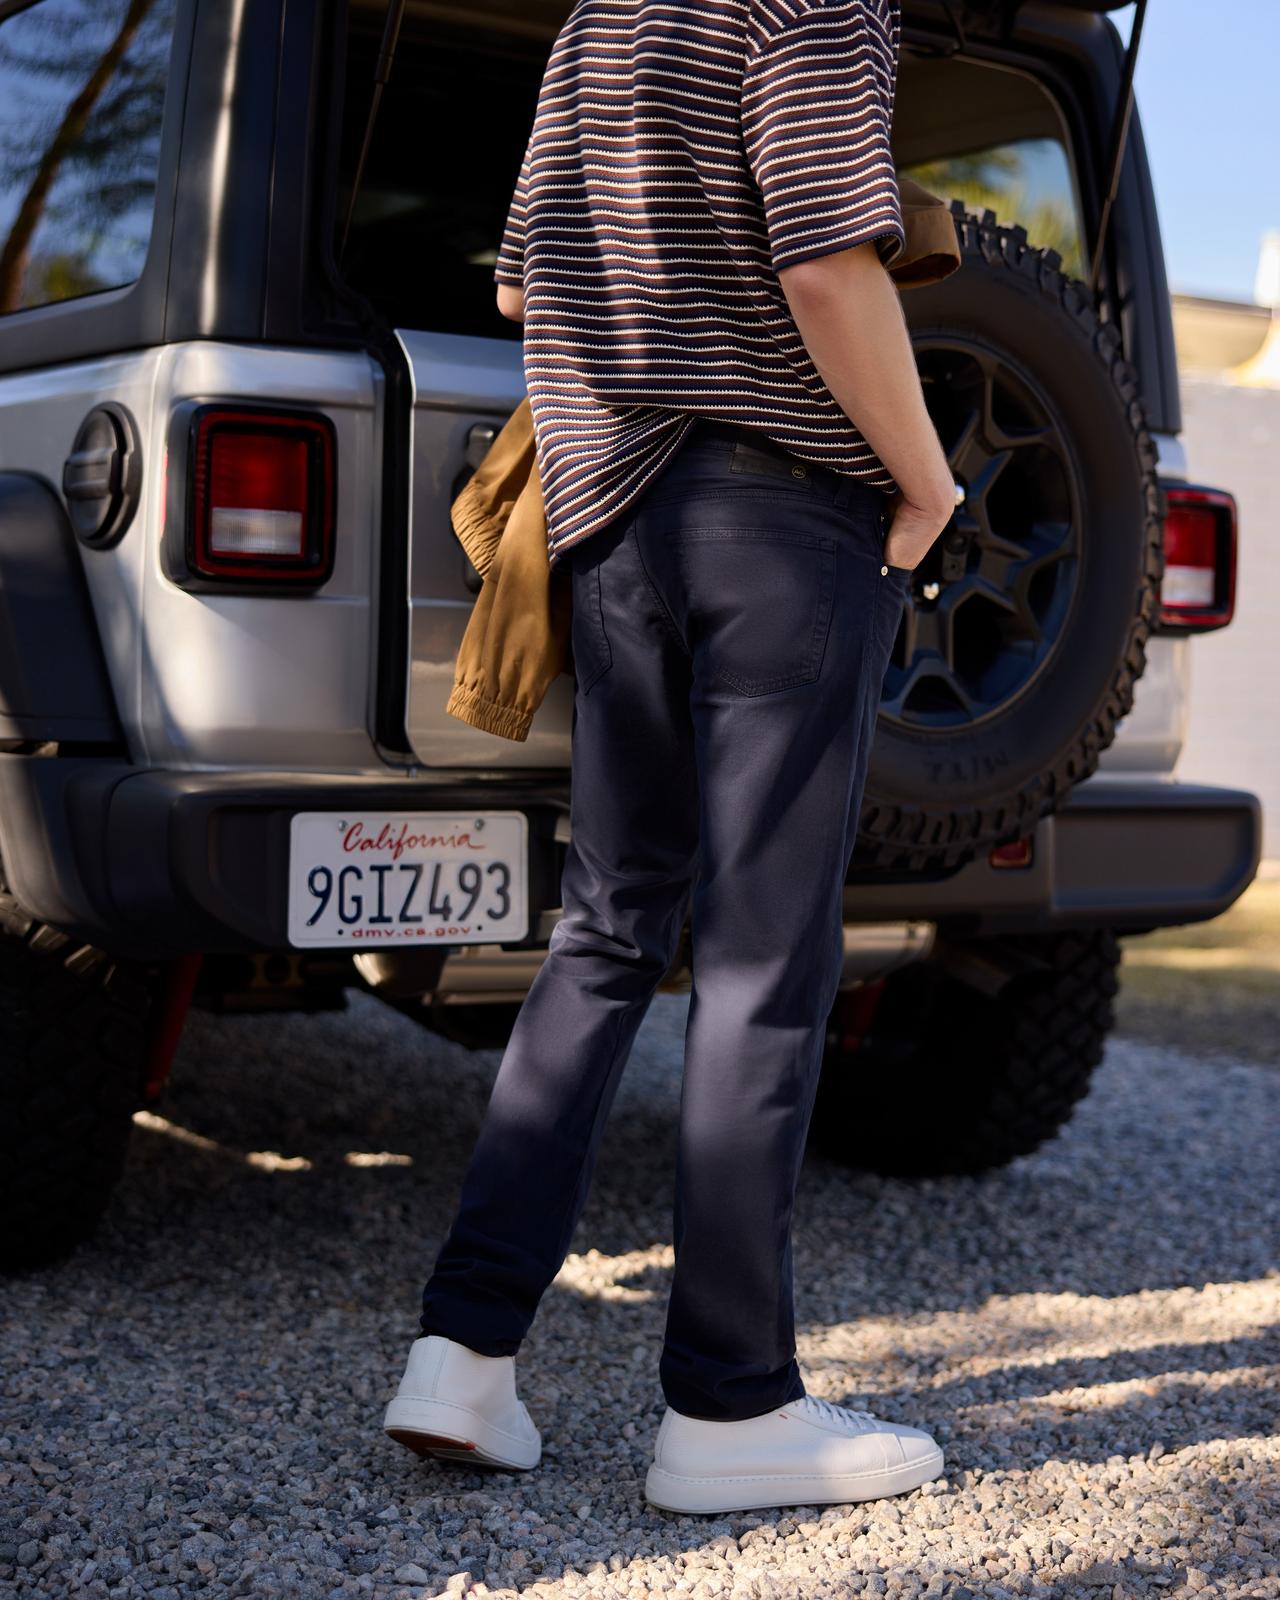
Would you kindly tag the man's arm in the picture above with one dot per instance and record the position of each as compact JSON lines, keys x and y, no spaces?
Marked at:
{"x":817,"y":106}
{"x":508,"y":271}
{"x":511,"y":301}
{"x":849,"y":314}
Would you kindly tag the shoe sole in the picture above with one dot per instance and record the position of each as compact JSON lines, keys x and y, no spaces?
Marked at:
{"x":417,"y":1424}
{"x":442,"y":1447}
{"x":670,"y":1492}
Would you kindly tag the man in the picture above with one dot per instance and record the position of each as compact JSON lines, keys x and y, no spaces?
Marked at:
{"x":727,"y":413}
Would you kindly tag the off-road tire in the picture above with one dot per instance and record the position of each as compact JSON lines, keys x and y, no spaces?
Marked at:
{"x":73,"y":1042}
{"x":944,"y":801}
{"x":949,"y":1080}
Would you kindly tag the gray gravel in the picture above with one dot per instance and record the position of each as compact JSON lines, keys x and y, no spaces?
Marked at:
{"x":192,"y":1405}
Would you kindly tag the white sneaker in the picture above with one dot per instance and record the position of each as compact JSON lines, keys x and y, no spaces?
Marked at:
{"x":808,"y":1452}
{"x":453,"y":1402}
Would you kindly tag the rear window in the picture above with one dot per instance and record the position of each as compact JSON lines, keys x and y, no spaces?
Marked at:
{"x":991,"y":137}
{"x":81,"y":92}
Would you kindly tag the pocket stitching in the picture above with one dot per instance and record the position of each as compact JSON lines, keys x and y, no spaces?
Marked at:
{"x":826,"y":547}
{"x":594,"y":619}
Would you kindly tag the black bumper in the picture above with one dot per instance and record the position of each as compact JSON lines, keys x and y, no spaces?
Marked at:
{"x":152,"y":863}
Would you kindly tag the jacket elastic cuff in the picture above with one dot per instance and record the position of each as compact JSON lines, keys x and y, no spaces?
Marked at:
{"x":469,"y":705}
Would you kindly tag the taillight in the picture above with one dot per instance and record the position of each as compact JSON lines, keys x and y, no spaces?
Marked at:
{"x":259,"y":498}
{"x":1198,"y":591}
{"x":1017,"y":853}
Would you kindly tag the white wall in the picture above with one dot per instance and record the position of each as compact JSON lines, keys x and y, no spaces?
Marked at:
{"x":1232,"y":438}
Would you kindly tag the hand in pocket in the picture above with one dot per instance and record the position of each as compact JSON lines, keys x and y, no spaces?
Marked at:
{"x":913,"y":531}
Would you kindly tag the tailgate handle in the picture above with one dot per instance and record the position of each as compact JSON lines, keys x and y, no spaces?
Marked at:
{"x":479,"y":438}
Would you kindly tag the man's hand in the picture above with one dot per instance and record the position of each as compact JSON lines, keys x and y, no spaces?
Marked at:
{"x":913,"y":530}
{"x":849,"y":314}
{"x":511,"y":301}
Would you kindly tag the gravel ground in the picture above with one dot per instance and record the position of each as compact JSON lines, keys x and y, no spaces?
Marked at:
{"x":192,"y":1405}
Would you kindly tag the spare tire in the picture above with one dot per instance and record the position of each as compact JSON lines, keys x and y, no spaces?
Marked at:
{"x":1025,"y":627}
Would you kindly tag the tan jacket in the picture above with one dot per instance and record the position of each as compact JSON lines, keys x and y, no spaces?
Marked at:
{"x":517,"y":637}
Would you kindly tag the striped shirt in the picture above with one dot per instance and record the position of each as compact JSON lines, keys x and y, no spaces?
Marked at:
{"x":682,"y":153}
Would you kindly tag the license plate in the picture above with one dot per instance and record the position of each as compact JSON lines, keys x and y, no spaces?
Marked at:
{"x":382,"y":877}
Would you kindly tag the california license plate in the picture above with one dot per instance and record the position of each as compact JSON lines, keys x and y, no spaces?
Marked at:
{"x":381,"y":877}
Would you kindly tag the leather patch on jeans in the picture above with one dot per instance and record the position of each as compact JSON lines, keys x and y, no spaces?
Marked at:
{"x":746,"y":458}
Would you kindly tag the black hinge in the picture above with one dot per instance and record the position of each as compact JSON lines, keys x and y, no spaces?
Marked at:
{"x":1119,"y":138}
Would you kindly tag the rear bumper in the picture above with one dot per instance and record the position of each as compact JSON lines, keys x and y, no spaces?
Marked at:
{"x":1129,"y":854}
{"x":154,"y":863}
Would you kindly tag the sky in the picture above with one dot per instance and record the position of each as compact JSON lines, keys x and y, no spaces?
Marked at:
{"x":1208,"y":92}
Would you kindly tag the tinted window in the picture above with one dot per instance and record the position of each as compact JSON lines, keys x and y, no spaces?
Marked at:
{"x":992,"y":137}
{"x":446,"y":152}
{"x":81,"y":89}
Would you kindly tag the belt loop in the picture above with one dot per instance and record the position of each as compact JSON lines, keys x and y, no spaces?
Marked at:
{"x":844,"y":489}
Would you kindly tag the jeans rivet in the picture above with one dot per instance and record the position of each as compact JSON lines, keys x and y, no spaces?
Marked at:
{"x":884,"y":572}
{"x":797,"y":472}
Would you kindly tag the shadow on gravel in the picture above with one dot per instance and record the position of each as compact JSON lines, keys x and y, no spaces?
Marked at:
{"x":1166,"y":1176}
{"x":1163,"y":1180}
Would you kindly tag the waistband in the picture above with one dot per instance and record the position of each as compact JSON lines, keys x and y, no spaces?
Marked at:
{"x":732,"y":433}
{"x":842,"y":486}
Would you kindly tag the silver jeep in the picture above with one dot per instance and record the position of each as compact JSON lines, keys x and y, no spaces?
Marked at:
{"x":249,"y":353}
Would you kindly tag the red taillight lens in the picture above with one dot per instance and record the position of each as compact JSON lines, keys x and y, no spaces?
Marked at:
{"x":1198,"y":590}
{"x":1018,"y":853}
{"x":262,"y":496}
{"x":257,"y":496}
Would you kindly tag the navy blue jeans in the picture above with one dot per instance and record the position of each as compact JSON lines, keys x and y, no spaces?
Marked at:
{"x":731,"y":631}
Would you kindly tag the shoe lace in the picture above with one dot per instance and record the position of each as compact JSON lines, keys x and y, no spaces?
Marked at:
{"x":828,"y":1411}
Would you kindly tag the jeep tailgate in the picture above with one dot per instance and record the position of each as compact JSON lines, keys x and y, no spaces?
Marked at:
{"x":464,"y":389}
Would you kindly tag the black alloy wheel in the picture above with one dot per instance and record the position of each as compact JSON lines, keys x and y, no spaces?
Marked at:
{"x":988,"y":604}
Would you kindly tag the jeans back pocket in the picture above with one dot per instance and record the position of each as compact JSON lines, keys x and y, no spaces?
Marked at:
{"x":758,"y":603}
